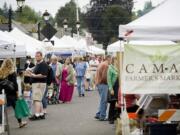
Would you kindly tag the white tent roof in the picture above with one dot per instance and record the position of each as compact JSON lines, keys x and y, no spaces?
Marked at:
{"x":82,"y":45}
{"x":96,"y":50}
{"x":64,"y":43}
{"x":8,"y":45}
{"x":162,"y":23}
{"x":119,"y":47}
{"x":31,"y":45}
{"x":5,"y":39}
{"x":47,"y":45}
{"x":20,"y":52}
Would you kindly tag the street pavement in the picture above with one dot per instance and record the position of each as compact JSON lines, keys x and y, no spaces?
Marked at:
{"x":75,"y":118}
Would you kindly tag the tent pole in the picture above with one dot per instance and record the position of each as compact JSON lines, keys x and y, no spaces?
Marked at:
{"x":14,"y":50}
{"x":120,"y":62}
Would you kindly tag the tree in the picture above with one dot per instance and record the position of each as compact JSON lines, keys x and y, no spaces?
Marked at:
{"x":1,"y":12}
{"x":104,"y":17}
{"x":1,"y":16}
{"x":112,"y":17}
{"x":4,"y":13}
{"x":147,"y":8}
{"x":68,"y":12}
{"x":5,"y":10}
{"x":27,"y":16}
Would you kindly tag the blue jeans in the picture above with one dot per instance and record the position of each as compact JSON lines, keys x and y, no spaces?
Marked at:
{"x":80,"y":84}
{"x":103,"y":91}
{"x":45,"y":100}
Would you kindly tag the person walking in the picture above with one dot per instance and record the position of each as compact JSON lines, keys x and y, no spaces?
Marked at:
{"x":113,"y":84}
{"x":55,"y":85}
{"x":93,"y":64}
{"x":7,"y":73}
{"x":80,"y":68}
{"x":39,"y":82}
{"x":67,"y":82}
{"x":101,"y":83}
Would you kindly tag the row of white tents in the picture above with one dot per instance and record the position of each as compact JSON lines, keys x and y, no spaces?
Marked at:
{"x":161,"y":26}
{"x":18,"y":44}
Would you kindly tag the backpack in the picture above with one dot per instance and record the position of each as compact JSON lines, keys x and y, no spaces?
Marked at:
{"x":50,"y":76}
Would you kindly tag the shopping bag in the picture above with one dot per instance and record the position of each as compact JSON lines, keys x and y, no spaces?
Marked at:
{"x":21,"y":109}
{"x":118,"y":125}
{"x":111,"y":98}
{"x":125,"y":120}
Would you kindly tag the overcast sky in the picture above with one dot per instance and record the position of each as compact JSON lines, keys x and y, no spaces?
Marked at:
{"x":53,"y":5}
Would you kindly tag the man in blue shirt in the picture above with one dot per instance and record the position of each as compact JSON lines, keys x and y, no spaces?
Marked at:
{"x":80,"y":68}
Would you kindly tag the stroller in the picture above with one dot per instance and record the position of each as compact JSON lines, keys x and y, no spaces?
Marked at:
{"x":53,"y":94}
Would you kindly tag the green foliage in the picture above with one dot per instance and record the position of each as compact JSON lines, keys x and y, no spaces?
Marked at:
{"x":5,"y":10}
{"x":27,"y":16}
{"x":2,"y":18}
{"x":1,"y":11}
{"x":112,"y":17}
{"x":104,"y":17}
{"x":147,"y":8}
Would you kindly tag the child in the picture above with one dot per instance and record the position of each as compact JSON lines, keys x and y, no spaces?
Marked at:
{"x":88,"y":80}
{"x":27,"y":94}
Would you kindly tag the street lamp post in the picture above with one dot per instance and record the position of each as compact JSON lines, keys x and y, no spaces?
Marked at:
{"x":20,"y":4}
{"x":46,"y":17}
{"x":77,"y":19}
{"x":10,"y":19}
{"x":78,"y":26}
{"x":65,"y":24}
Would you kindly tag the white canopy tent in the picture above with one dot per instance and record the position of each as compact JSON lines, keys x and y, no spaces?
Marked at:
{"x":10,"y":48}
{"x":5,"y":39}
{"x":66,"y":43}
{"x":162,"y":23}
{"x":96,"y":50}
{"x":47,"y":45}
{"x":82,"y":45}
{"x":29,"y":45}
{"x":118,"y":46}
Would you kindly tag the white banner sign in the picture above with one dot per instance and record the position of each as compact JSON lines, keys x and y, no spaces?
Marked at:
{"x":151,"y":69}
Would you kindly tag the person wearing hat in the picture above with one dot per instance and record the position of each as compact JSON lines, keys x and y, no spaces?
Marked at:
{"x":29,"y":64}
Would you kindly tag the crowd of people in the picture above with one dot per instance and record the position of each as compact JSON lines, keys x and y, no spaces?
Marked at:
{"x":54,"y":81}
{"x":43,"y":81}
{"x":108,"y":85}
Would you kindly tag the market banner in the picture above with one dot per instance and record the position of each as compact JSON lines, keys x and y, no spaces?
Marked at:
{"x":151,"y":69}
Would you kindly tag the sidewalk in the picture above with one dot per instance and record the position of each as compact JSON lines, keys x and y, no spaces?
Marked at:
{"x":76,"y":118}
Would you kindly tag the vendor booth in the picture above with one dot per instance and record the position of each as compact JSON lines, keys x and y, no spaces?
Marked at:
{"x":64,"y":47}
{"x":152,"y":70}
{"x":66,"y":43}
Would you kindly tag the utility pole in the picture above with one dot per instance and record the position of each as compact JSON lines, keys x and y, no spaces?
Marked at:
{"x":10,"y":19}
